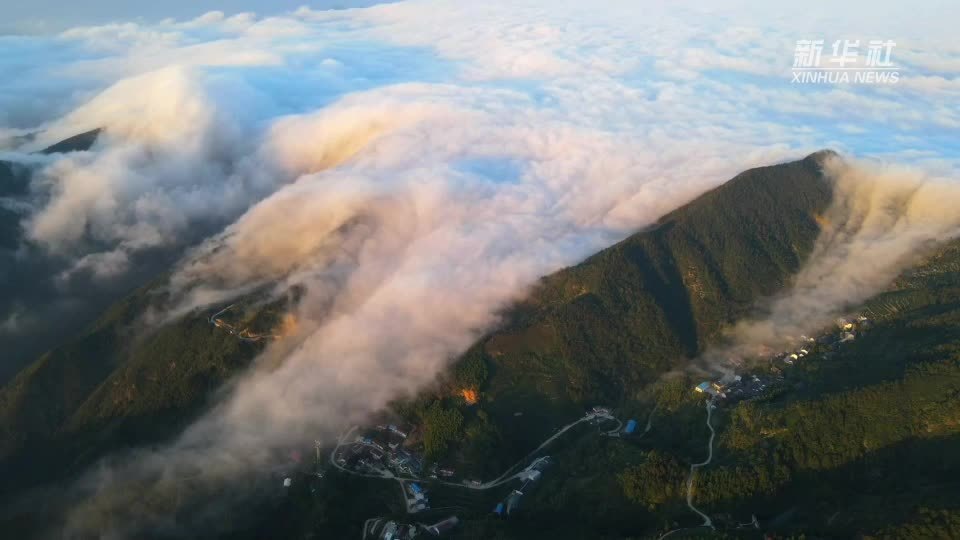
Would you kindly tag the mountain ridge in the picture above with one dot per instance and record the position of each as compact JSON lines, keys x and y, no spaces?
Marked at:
{"x":595,"y":331}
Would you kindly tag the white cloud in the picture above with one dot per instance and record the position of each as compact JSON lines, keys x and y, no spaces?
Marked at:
{"x":172,"y":155}
{"x":415,"y":166}
{"x":882,"y":219}
{"x":118,"y":38}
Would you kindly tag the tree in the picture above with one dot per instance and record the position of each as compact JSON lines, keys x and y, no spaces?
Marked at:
{"x":441,"y":427}
{"x":656,"y":481}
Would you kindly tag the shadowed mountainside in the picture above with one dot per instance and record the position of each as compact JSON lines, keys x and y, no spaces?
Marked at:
{"x":588,"y":332}
{"x":595,"y":332}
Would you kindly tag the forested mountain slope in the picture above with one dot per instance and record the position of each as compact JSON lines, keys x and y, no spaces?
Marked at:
{"x":601,"y":330}
{"x":857,"y":441}
{"x":596,"y":331}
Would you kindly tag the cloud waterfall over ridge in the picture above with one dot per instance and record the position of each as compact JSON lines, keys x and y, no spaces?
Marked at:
{"x":405,"y":253}
{"x":882,"y":220}
{"x":412,"y":168}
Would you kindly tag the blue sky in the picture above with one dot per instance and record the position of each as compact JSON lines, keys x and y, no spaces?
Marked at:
{"x":51,"y":15}
{"x":416,"y":166}
{"x":545,"y":93}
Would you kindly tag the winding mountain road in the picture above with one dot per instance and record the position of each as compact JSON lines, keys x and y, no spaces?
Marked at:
{"x":502,"y":479}
{"x":707,"y":522}
{"x":649,"y":422}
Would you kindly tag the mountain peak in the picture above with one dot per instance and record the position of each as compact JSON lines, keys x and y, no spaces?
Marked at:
{"x":821,"y":156}
{"x":77,"y":143}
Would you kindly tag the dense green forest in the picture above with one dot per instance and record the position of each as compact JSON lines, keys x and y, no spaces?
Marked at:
{"x":592,"y":332}
{"x":599,"y":332}
{"x":863,"y":442}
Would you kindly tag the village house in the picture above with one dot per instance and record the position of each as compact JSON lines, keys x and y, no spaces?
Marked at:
{"x":707,"y":388}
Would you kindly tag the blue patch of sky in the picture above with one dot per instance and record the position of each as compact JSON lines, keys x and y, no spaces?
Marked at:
{"x":536,"y":90}
{"x":45,"y":16}
{"x":313,"y":80}
{"x":33,"y":81}
{"x":496,"y":169}
{"x":853,"y":131}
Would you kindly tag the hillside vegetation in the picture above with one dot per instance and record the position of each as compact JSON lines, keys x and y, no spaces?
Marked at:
{"x":860,"y":442}
{"x":598,"y":332}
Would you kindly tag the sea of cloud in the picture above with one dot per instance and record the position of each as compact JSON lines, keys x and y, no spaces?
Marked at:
{"x":414,"y":167}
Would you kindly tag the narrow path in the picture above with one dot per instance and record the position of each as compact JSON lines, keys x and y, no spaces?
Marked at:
{"x":367,"y":527}
{"x":707,"y":522}
{"x":403,"y":493}
{"x":649,"y":422}
{"x":502,"y":479}
{"x":615,"y":432}
{"x":217,"y":314}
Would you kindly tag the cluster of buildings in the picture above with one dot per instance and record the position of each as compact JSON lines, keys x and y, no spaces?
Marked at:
{"x":846,"y":331}
{"x":714,"y":389}
{"x":528,"y":478}
{"x":397,"y":531}
{"x":380,"y":450}
{"x":416,"y":498}
{"x":737,"y":387}
{"x":850,"y":327}
{"x":242,"y":333}
{"x":405,"y":462}
{"x":599,"y":410}
{"x":437,"y":471}
{"x":393,"y":530}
